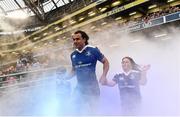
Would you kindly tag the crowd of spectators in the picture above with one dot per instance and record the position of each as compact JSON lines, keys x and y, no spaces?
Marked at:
{"x":163,"y":12}
{"x":31,"y":65}
{"x":152,"y":15}
{"x":25,"y":63}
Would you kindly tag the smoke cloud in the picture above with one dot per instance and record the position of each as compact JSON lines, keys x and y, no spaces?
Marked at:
{"x":161,"y":94}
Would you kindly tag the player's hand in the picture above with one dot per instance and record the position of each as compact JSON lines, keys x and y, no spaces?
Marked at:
{"x":103,"y":80}
{"x":145,"y":67}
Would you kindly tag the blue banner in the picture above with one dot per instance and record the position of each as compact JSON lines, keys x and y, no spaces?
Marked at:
{"x":154,"y":22}
{"x":173,"y":17}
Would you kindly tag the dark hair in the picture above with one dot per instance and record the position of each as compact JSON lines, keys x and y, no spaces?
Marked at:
{"x":84,"y":36}
{"x":135,"y":66}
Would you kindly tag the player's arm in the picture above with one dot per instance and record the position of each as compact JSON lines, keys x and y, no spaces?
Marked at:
{"x":110,"y":83}
{"x":143,"y":76}
{"x":70,"y":74}
{"x":105,"y":63}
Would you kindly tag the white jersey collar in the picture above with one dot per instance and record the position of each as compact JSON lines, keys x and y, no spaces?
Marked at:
{"x":127,"y":73}
{"x":80,"y":51}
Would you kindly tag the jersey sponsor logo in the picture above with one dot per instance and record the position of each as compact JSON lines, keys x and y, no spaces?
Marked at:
{"x":127,"y":86}
{"x":82,"y":65}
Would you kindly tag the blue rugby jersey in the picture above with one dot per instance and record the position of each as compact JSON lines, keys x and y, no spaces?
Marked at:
{"x":128,"y":85}
{"x":84,"y":64}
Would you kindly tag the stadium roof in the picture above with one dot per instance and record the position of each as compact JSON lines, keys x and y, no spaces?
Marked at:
{"x":29,"y":7}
